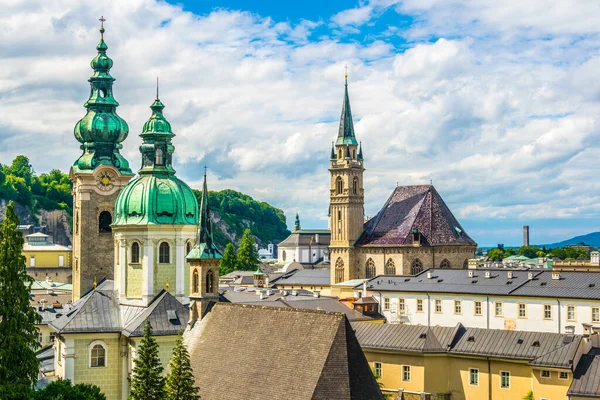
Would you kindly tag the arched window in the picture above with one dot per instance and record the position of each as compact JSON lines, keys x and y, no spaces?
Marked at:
{"x":195,"y":282}
{"x":160,"y":160}
{"x":445,"y":264}
{"x":370,"y":269}
{"x":339,"y":271}
{"x":339,"y":185}
{"x":283,"y":255}
{"x":466,"y":264}
{"x":339,"y":154}
{"x":416,"y":267}
{"x":164,"y":253}
{"x":104,"y":221}
{"x":188,"y":247}
{"x":135,"y":253}
{"x":209,"y":282}
{"x":355,"y":185}
{"x":390,"y":268}
{"x":97,"y":354}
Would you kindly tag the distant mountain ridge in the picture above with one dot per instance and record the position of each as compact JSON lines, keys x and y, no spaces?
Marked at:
{"x":592,"y":239}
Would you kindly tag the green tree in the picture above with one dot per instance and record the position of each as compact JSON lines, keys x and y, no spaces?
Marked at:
{"x":558,"y":252}
{"x":529,"y":396}
{"x":146,"y":380}
{"x":64,"y":390}
{"x":528,"y":251}
{"x":179,"y":383}
{"x":228,"y":262}
{"x":495,"y":255}
{"x":247,"y":255}
{"x":18,"y":333}
{"x":22,"y":168}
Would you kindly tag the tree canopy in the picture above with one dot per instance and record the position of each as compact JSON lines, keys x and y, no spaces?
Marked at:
{"x":229,"y":261}
{"x":65,"y":390}
{"x":247,"y":255}
{"x":146,"y":380}
{"x":179,"y":383}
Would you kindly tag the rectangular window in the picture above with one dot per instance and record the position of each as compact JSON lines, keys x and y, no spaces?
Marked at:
{"x":498,"y":312}
{"x":59,"y":354}
{"x":545,"y":374}
{"x":563,"y":375}
{"x":401,"y":306}
{"x":61,"y":261}
{"x":504,"y":379}
{"x":377,"y":368}
{"x":478,"y":308}
{"x":547,"y":311}
{"x":522,"y":310}
{"x":386,"y":303}
{"x":419,"y":305}
{"x":41,"y":338}
{"x":474,"y":377}
{"x":52,"y":337}
{"x":457,"y":307}
{"x":406,"y":373}
{"x":595,"y":314}
{"x":438,"y":306}
{"x":32,"y":261}
{"x":570,"y":313}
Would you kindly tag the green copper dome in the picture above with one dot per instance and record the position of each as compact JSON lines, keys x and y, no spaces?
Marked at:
{"x":101,"y":131}
{"x":156,"y":196}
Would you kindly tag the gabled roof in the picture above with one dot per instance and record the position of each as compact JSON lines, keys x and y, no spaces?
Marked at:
{"x":310,"y":277}
{"x":166,"y":315}
{"x":303,"y":237}
{"x":414,"y":208}
{"x":586,"y":378}
{"x":409,"y":338}
{"x":229,"y":354}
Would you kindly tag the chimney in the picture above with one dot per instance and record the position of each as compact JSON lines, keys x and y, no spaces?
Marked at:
{"x":595,"y":258}
{"x":556,"y":276}
{"x":316,"y":294}
{"x":261,"y":295}
{"x":530,"y":276}
{"x":488,"y":274}
{"x":294,"y":292}
{"x":266,"y":280}
{"x":570,"y":329}
{"x":316,"y":238}
{"x":364,"y":292}
{"x":470,"y":273}
{"x":429,"y":275}
{"x":509,"y":274}
{"x":526,"y":235}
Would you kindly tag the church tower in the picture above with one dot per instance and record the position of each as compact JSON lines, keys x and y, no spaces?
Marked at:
{"x":204,"y":261}
{"x":346,"y":199}
{"x":98,"y":175}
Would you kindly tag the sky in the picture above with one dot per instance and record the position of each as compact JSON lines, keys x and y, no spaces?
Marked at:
{"x":495,"y":102}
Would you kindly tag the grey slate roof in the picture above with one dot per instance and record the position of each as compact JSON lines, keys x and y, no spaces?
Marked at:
{"x":302,"y":238}
{"x":539,"y":348}
{"x":157,"y":313}
{"x":414,"y":207}
{"x":304,"y":277}
{"x":586,"y":378}
{"x":572,"y":284}
{"x":229,"y":354}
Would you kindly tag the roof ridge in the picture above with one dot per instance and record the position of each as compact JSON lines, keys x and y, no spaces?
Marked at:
{"x":297,"y":310}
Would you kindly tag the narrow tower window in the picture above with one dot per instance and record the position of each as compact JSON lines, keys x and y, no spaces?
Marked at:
{"x":209,"y":282}
{"x":135,"y":253}
{"x":188,"y":247}
{"x":339,"y":271}
{"x":339,"y":185}
{"x":163,"y":253}
{"x":370,"y":269}
{"x":355,"y":185}
{"x":195,"y":282}
{"x":160,"y":160}
{"x":104,"y":221}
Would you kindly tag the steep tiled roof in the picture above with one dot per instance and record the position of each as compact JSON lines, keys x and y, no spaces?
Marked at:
{"x":412,"y":208}
{"x":303,"y":236}
{"x":229,"y":355}
{"x":306,"y":277}
{"x":410,"y":338}
{"x":586,"y":378}
{"x":166,"y":315}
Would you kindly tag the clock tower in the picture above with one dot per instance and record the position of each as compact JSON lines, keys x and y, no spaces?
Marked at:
{"x":98,"y":176}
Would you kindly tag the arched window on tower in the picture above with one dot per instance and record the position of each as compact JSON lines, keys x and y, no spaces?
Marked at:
{"x":339,"y":185}
{"x":340,"y":154}
{"x":416,"y":267}
{"x":188,"y":247}
{"x":195,"y":282}
{"x":390,"y":267}
{"x":160,"y":159}
{"x":370,"y":269}
{"x":209,"y":282}
{"x":339,"y":271}
{"x":135,"y":253}
{"x":164,"y":251}
{"x":355,"y":185}
{"x":104,"y":221}
{"x":445,"y":264}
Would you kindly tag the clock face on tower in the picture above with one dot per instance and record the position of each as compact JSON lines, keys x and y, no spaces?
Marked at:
{"x":105,"y":180}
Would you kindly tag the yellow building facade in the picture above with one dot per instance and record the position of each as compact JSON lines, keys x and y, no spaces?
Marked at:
{"x":44,"y":259}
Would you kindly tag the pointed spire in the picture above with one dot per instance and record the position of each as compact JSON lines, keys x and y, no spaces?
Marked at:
{"x":333,"y":157}
{"x":360,"y":154}
{"x":346,"y":131}
{"x":297,"y":223}
{"x":157,"y":149}
{"x":205,"y":246}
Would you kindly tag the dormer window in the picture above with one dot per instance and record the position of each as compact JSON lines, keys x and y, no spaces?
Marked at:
{"x":416,"y":236}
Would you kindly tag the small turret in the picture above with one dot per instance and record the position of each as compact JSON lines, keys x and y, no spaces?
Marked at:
{"x":297,"y":223}
{"x":333,"y":156}
{"x":360,"y":154}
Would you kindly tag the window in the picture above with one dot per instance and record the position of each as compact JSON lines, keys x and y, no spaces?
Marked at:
{"x":377,"y":368}
{"x":474,"y":376}
{"x":52,"y":337}
{"x":160,"y":160}
{"x":61,"y":261}
{"x":41,"y":338}
{"x":339,"y":271}
{"x":59,"y":351}
{"x":478,"y":309}
{"x":522,"y":310}
{"x":386,"y":303}
{"x":438,"y":306}
{"x":545,"y":374}
{"x":370,"y":269}
{"x":283,"y":255}
{"x":339,"y":186}
{"x":188,"y":247}
{"x":104,"y":221}
{"x":570,"y":313}
{"x":209,"y":282}
{"x":390,"y":268}
{"x":135,"y":253}
{"x":355,"y":185}
{"x":504,"y":379}
{"x":419,"y":305}
{"x":445,"y":264}
{"x":97,"y":355}
{"x":195,"y":282}
{"x":163,"y":253}
{"x":547,"y":311}
{"x":457,"y":307}
{"x":563,"y":375}
{"x":498,"y":312}
{"x":401,"y":306}
{"x":416,"y":267}
{"x":32,"y":261}
{"x":595,"y":314}
{"x":406,"y":373}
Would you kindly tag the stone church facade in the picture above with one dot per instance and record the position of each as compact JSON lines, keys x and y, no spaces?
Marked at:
{"x":414,"y":230}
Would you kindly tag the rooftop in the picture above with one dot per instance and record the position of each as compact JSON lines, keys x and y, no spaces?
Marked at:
{"x":304,"y":277}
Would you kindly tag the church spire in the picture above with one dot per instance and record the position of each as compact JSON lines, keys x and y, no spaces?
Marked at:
{"x":297,"y":223}
{"x":101,"y":131}
{"x":360,"y":154}
{"x":346,"y":131}
{"x":205,"y":246}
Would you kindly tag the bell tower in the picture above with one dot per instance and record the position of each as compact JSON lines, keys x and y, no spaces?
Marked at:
{"x":346,"y":198}
{"x":97,"y":175}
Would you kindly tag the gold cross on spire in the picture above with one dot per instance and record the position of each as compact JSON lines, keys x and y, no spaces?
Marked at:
{"x":95,"y":284}
{"x":102,"y":19}
{"x":346,"y":73}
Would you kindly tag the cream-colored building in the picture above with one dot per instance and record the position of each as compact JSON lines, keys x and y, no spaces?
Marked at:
{"x":47,"y":260}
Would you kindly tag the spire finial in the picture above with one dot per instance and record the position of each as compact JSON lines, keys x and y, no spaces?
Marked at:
{"x":205,"y":168}
{"x":346,"y":73}
{"x":102,"y":19}
{"x":157,"y":88}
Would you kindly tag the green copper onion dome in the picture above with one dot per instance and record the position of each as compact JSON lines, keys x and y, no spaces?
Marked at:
{"x":156,"y":196}
{"x":101,"y":131}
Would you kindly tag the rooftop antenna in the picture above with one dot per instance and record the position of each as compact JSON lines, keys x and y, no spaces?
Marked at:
{"x":157,"y":88}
